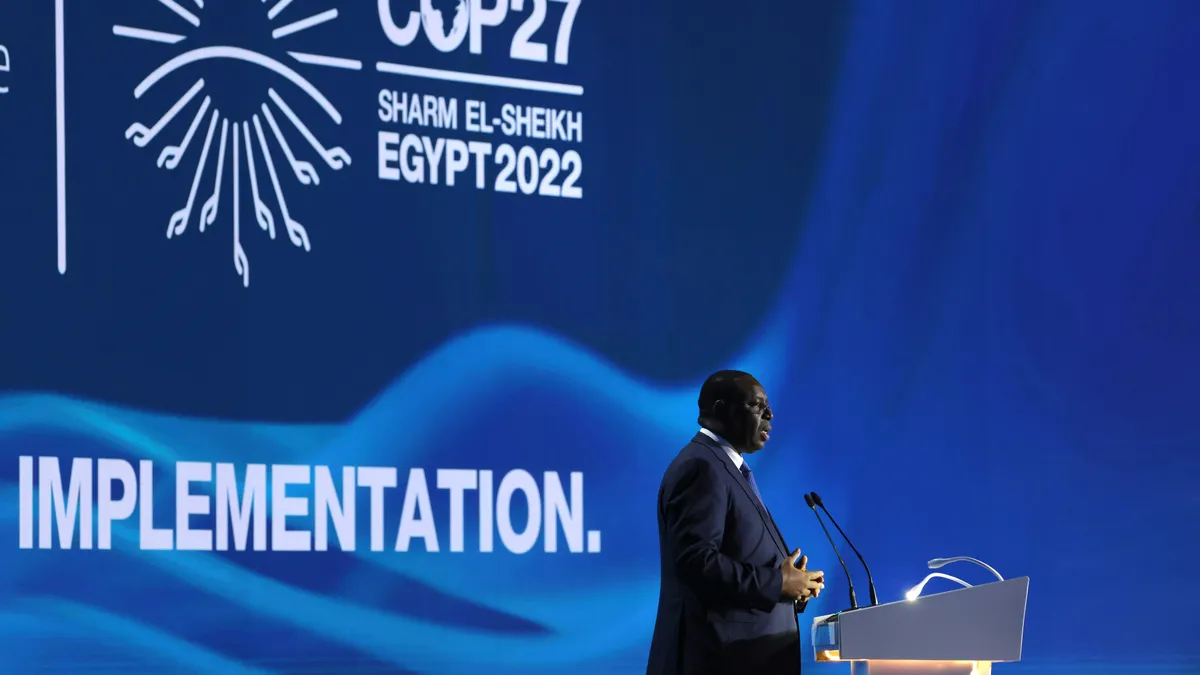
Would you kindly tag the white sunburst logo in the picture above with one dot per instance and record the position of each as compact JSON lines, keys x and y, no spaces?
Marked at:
{"x":230,"y":146}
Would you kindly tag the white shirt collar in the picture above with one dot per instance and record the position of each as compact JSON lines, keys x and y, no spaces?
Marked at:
{"x":733,"y":454}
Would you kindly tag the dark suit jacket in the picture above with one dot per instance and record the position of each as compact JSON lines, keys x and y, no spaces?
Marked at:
{"x":719,"y":607}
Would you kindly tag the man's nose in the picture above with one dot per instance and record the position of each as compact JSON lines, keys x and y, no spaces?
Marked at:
{"x":768,"y":415}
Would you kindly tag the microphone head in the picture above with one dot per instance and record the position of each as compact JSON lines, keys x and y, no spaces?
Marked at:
{"x":809,"y":500}
{"x":937,"y":562}
{"x":817,"y":499}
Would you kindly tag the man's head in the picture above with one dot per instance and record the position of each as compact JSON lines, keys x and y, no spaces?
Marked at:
{"x":734,"y":406}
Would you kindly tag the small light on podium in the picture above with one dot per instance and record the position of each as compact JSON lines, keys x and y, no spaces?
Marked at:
{"x":829,"y":655}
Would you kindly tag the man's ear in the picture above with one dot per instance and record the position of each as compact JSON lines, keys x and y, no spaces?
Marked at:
{"x":718,"y":409}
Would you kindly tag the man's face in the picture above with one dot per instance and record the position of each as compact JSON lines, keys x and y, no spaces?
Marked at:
{"x":749,"y":422}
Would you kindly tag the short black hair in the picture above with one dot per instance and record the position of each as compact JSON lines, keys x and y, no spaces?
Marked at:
{"x":723,"y":385}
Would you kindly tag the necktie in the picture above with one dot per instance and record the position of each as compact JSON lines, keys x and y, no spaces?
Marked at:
{"x":753,"y":486}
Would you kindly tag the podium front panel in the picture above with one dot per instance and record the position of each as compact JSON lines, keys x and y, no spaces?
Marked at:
{"x":981,"y":623}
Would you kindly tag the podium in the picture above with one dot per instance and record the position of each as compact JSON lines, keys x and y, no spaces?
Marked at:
{"x":958,"y":632}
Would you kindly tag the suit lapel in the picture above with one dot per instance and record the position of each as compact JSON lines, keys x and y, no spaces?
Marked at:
{"x":778,"y":532}
{"x":740,"y":479}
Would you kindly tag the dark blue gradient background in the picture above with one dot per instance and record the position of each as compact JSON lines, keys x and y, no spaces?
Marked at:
{"x":957,"y":241}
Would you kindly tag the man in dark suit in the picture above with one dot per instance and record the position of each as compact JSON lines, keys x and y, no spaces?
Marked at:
{"x":730,"y":592}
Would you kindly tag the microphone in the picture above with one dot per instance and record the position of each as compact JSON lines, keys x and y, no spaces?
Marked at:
{"x":870,"y":582}
{"x":942,"y":562}
{"x":914,"y":592}
{"x":808,"y":499}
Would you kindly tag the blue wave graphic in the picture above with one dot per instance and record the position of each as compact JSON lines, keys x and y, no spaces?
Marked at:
{"x":930,"y":329}
{"x":537,"y":612}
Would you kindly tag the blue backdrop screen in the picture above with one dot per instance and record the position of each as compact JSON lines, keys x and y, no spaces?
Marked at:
{"x":355,"y":336}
